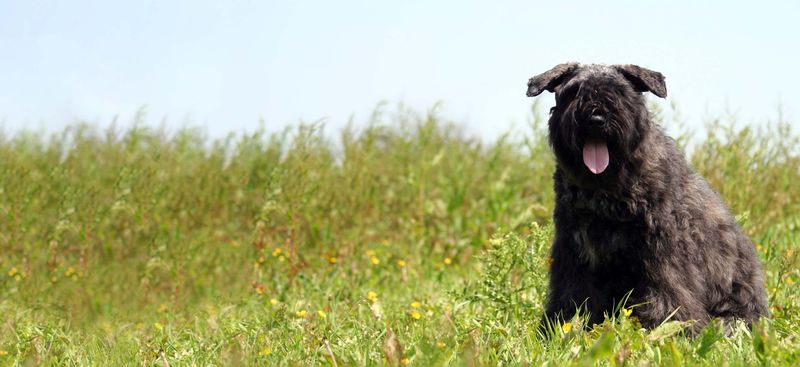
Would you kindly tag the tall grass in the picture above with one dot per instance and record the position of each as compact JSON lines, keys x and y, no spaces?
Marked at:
{"x":403,"y":240}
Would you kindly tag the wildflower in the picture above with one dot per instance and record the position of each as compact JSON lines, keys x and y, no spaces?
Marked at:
{"x":372,"y":296}
{"x":322,"y":314}
{"x":276,"y":252}
{"x":446,"y":307}
{"x":13,"y":272}
{"x":281,"y":258}
{"x":374,"y":260}
{"x":566,"y":327}
{"x":69,"y":272}
{"x":626,"y":311}
{"x":54,"y":279}
{"x":265,"y":352}
{"x":3,"y":353}
{"x":258,"y":287}
{"x":332,"y":260}
{"x":401,"y":263}
{"x":370,"y":253}
{"x":440,"y":344}
{"x":448,"y":261}
{"x":261,"y":259}
{"x":415,"y":304}
{"x":416,"y":315}
{"x":301,"y":313}
{"x":273,"y":301}
{"x":158,"y":326}
{"x":405,"y":361}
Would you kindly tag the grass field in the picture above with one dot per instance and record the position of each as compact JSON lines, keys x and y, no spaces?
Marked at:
{"x":402,"y":242}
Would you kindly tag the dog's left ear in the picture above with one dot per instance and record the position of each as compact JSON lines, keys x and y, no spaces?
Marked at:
{"x":644,"y":80}
{"x":550,"y":79}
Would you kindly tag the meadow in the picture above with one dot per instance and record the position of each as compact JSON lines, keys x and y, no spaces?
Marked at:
{"x":402,"y":241}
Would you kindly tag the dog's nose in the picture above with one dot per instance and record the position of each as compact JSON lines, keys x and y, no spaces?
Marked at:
{"x":596,"y":120}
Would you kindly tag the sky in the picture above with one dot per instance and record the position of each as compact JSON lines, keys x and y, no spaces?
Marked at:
{"x":228,"y":65}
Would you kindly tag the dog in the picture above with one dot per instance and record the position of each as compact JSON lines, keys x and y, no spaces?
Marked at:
{"x":633,"y":222}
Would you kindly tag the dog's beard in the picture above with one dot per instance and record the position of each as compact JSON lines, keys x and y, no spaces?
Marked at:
{"x":595,"y":156}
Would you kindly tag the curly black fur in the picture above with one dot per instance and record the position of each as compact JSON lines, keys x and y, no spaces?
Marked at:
{"x":647,"y":224}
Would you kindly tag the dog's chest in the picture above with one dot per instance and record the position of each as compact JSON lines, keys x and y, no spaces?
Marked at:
{"x":605,"y":232}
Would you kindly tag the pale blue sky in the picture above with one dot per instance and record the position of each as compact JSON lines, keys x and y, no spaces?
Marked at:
{"x":224,"y":65}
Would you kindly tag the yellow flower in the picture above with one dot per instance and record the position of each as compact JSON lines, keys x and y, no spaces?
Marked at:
{"x":13,"y":272}
{"x":566,"y":327}
{"x":401,"y":263}
{"x":322,"y":314}
{"x":69,"y":272}
{"x":273,"y":301}
{"x":405,"y":361}
{"x":372,"y":296}
{"x":626,"y":311}
{"x":3,"y":353}
{"x":301,"y":313}
{"x":281,"y":258}
{"x":440,"y":344}
{"x":370,"y":253}
{"x":276,"y":252}
{"x":158,"y":326}
{"x":448,"y":261}
{"x":416,"y":315}
{"x":374,"y":260}
{"x":265,"y":352}
{"x":415,"y":304}
{"x":260,"y":290}
{"x":332,"y":260}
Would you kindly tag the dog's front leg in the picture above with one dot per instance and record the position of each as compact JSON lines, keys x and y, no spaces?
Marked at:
{"x":571,"y":286}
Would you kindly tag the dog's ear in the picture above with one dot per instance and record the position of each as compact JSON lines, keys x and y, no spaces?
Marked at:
{"x":644,"y":80}
{"x":550,"y":79}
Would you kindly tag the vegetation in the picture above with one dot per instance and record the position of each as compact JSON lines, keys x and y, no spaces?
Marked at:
{"x":401,"y":242}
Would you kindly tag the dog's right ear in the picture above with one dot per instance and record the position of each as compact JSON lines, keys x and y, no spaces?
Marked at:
{"x":550,"y":79}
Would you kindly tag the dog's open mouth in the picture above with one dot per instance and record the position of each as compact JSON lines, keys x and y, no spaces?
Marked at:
{"x":595,"y":156}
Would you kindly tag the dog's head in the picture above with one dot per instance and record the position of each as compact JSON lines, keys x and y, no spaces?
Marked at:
{"x":599,"y":119}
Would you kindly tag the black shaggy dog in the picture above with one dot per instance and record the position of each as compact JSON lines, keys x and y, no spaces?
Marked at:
{"x":631,"y":216}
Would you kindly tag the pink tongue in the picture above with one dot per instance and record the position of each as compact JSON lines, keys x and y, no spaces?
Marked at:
{"x":595,"y":156}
